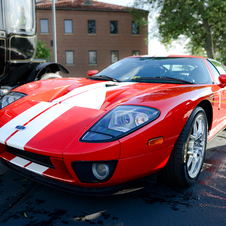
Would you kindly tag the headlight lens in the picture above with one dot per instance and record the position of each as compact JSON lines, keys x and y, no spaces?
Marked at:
{"x":10,"y":98}
{"x":119,"y":122}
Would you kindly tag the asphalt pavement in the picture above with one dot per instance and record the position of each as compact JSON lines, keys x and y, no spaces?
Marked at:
{"x":24,"y":202}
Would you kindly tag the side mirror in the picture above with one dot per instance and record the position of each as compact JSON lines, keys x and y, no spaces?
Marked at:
{"x":92,"y":72}
{"x":222,"y":79}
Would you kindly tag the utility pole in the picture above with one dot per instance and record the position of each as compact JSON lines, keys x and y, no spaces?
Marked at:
{"x":54,"y":31}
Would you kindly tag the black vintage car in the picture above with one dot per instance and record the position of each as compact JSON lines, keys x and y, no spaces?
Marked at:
{"x":18,"y":42}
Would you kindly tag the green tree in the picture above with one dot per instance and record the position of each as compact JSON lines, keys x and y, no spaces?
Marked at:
{"x":202,"y":21}
{"x":42,"y":52}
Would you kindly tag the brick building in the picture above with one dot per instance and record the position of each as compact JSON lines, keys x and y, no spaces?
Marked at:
{"x":90,"y":34}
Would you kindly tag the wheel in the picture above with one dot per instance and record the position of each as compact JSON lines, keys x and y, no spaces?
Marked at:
{"x":186,"y":160}
{"x":49,"y":76}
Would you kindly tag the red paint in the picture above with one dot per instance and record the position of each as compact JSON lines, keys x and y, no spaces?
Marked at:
{"x":60,"y":139}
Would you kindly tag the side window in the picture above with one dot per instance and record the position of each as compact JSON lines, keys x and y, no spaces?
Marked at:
{"x":44,"y":26}
{"x":18,"y":16}
{"x":68,"y":27}
{"x":114,"y":27}
{"x":91,"y":27}
{"x":135,"y":28}
{"x":214,"y":70}
{"x":69,"y":57}
{"x":93,"y":57}
{"x":135,"y":53}
{"x":219,"y":66}
{"x":114,"y":56}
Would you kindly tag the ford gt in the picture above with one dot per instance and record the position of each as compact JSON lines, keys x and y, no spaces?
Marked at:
{"x":140,"y":116}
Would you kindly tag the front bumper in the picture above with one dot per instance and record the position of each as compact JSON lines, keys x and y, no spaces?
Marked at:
{"x":98,"y":191}
{"x":60,"y":174}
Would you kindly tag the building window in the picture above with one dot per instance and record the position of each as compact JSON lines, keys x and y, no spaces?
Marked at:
{"x":114,"y":56}
{"x":114,"y":27}
{"x":44,"y":26}
{"x":92,"y":57}
{"x":68,"y":27}
{"x":91,"y":27}
{"x":69,"y":57}
{"x":135,"y":53}
{"x":135,"y":28}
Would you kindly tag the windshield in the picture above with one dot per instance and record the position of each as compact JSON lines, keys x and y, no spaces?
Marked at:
{"x":159,"y":69}
{"x":18,"y":16}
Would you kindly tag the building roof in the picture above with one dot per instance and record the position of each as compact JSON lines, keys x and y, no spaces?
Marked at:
{"x":82,"y":5}
{"x":86,"y":5}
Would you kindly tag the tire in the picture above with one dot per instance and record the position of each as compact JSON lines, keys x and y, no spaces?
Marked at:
{"x":50,"y":75}
{"x":186,"y":160}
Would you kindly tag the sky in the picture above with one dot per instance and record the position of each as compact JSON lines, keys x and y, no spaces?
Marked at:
{"x":154,"y":46}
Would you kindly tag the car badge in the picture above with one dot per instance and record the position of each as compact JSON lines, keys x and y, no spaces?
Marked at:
{"x":20,"y":127}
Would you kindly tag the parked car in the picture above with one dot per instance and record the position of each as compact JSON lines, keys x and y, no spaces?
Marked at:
{"x":140,"y":116}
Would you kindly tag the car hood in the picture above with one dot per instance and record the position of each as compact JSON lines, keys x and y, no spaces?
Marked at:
{"x":55,"y":112}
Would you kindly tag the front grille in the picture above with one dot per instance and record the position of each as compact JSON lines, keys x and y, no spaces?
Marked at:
{"x":37,"y":158}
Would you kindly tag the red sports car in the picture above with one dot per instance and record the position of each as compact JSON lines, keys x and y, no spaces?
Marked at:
{"x":137,"y":117}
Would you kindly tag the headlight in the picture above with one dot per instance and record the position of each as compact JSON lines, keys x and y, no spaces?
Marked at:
{"x":119,"y":122}
{"x":10,"y":98}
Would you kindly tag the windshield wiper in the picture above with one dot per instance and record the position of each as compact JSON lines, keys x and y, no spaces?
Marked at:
{"x":176,"y":79}
{"x":104,"y":77}
{"x":162,"y":77}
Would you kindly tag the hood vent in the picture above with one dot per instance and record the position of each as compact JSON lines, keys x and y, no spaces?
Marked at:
{"x":111,"y":84}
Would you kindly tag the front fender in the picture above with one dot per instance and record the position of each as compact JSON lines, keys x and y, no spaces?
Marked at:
{"x":44,"y":68}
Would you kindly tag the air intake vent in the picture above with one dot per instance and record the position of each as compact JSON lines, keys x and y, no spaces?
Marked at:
{"x":37,"y":158}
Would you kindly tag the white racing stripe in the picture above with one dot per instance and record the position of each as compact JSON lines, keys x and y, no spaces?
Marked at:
{"x":10,"y":127}
{"x":78,"y":91}
{"x":90,"y":96}
{"x":20,"y":161}
{"x":36,"y":168}
{"x":35,"y":126}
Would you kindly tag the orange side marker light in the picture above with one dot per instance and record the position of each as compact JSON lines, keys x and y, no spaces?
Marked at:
{"x":155,"y":141}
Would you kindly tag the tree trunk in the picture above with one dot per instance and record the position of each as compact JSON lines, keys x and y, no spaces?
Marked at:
{"x":209,"y":40}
